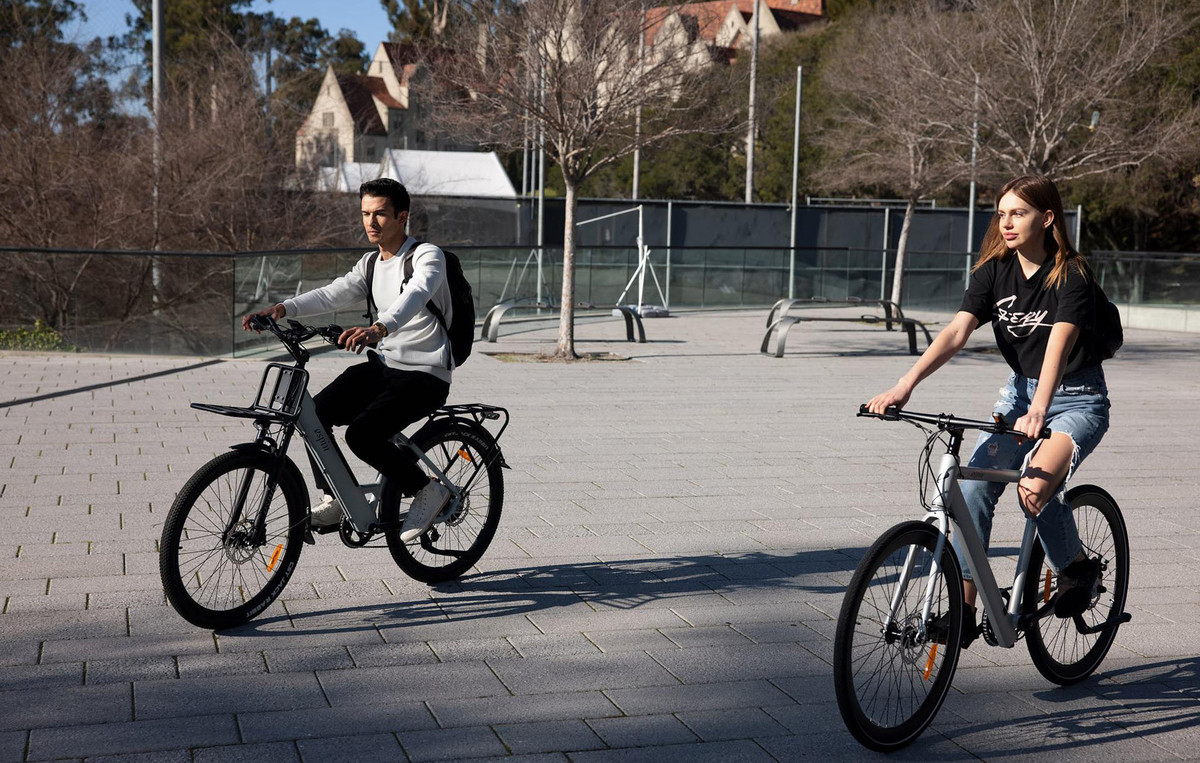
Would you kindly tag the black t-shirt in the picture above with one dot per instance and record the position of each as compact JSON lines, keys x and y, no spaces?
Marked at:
{"x":1023,"y":311}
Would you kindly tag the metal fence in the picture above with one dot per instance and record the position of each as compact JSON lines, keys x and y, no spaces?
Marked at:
{"x":191,"y":303}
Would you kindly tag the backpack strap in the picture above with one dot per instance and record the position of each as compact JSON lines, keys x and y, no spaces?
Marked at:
{"x":408,"y":273}
{"x":371,"y":308}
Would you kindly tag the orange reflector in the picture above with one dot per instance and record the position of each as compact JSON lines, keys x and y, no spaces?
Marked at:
{"x":275,"y":558}
{"x":929,"y":662}
{"x":1046,"y":588}
{"x":463,"y":452}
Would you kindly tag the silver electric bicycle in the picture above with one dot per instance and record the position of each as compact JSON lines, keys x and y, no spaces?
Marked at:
{"x":891,"y":669}
{"x":233,"y":536}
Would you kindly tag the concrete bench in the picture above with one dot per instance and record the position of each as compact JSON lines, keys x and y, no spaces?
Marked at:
{"x":779,"y":327}
{"x":491,"y":322}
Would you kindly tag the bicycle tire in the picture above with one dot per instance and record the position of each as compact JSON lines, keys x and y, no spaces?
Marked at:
{"x":453,"y":545}
{"x":889,"y":682}
{"x":220,"y":583}
{"x":1059,"y":651}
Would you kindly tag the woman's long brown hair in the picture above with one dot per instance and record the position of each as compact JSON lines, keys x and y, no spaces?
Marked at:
{"x":1039,"y":192}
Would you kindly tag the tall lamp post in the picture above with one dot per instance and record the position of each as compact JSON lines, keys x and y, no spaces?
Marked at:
{"x":753,"y":86}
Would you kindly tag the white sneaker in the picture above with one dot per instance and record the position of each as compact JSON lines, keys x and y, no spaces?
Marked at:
{"x":426,"y":505}
{"x":327,"y":512}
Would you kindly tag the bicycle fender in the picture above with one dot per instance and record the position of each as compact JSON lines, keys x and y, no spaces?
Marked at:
{"x":290,"y":470}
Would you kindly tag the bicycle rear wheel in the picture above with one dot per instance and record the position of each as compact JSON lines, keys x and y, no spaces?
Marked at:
{"x":890,"y":679}
{"x":219,"y":572}
{"x":1059,"y":651}
{"x":456,"y":541}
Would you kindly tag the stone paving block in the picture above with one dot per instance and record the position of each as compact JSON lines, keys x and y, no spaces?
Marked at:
{"x":129,"y":669}
{"x":284,"y":752}
{"x":381,"y":655}
{"x":57,"y":706}
{"x":131,"y":737}
{"x":118,"y":647}
{"x":730,"y":752}
{"x":525,"y":708}
{"x":474,"y":649}
{"x":697,"y":697}
{"x":163,"y":756}
{"x":212,"y":665}
{"x":363,"y":718}
{"x":582,"y":672}
{"x":642,"y":731}
{"x":451,"y":744}
{"x":709,"y":664}
{"x":403,"y":683}
{"x":549,"y":736}
{"x":736,"y":723}
{"x":309,"y":659}
{"x":230,"y":694}
{"x":553,"y":645}
{"x":41,"y":676}
{"x":12,"y":746}
{"x":351,"y":749}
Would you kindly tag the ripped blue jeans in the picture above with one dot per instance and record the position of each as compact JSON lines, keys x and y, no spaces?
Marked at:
{"x":1078,"y":409}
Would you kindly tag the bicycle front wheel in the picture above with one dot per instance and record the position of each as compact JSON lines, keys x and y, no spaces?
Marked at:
{"x":1059,"y":651}
{"x":889,"y":677}
{"x":470,"y":459}
{"x":220,"y":565}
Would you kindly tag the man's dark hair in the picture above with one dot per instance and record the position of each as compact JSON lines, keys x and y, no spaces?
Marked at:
{"x":386,"y":188}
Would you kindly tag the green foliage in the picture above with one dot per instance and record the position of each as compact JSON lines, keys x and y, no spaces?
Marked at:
{"x":25,"y":20}
{"x":415,"y":20}
{"x":40,"y":338}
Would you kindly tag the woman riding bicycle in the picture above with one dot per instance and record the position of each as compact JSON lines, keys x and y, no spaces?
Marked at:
{"x":1037,"y":292}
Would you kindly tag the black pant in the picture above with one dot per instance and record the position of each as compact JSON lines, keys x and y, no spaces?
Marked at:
{"x":375,"y":402}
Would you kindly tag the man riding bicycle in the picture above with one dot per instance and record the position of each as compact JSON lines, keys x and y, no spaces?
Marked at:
{"x":407,"y":375}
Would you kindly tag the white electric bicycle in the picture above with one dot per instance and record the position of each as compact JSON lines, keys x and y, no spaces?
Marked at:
{"x":891,"y":674}
{"x":233,"y":535}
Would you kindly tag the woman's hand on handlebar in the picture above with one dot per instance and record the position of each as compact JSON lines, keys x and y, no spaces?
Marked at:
{"x":359,"y":338}
{"x":1032,"y":423}
{"x":896,"y":396}
{"x":275,"y":312}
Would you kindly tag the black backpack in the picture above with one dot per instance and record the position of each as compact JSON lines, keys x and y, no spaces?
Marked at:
{"x":462,"y":300}
{"x":1109,"y":334}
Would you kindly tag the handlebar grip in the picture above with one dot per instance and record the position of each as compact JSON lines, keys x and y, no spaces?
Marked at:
{"x":892,"y":413}
{"x":261,"y":322}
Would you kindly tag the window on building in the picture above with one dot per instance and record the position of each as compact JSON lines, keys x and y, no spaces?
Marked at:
{"x":327,"y":119}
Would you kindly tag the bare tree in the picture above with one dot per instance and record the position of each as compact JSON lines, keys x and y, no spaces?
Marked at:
{"x":572,"y":69}
{"x":1071,"y":88}
{"x":895,"y":123}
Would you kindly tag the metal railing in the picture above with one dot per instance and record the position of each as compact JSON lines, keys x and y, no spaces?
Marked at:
{"x":109,"y":301}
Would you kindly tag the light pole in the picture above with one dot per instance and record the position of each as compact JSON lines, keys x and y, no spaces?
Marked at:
{"x":971,"y":201}
{"x":750,"y":131}
{"x":795,"y":183}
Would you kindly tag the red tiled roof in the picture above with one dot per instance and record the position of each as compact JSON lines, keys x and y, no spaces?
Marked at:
{"x":356,"y":89}
{"x":708,"y":15}
{"x":379,"y":90}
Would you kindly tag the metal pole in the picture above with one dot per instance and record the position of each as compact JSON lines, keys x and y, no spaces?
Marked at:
{"x":791,"y":290}
{"x":637,"y":116}
{"x":541,"y":210}
{"x":156,"y":90}
{"x":883,"y":260}
{"x":971,"y":200}
{"x":1078,"y":226}
{"x":667,"y":297}
{"x":751,"y":130}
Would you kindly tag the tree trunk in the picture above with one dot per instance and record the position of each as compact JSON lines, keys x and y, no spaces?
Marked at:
{"x":901,"y":251}
{"x":566,"y":316}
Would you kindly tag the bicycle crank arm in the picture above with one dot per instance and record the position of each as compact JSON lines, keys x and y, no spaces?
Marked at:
{"x":1112,"y":622}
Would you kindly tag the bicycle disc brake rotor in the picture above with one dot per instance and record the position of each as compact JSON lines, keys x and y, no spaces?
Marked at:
{"x":911,"y":652}
{"x":458,"y":511}
{"x":238,"y":547}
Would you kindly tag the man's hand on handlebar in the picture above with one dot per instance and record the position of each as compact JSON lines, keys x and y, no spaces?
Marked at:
{"x":275,"y":312}
{"x":359,"y":338}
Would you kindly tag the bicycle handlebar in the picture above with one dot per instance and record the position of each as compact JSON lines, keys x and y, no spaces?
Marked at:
{"x":947,"y":421}
{"x":296,"y":333}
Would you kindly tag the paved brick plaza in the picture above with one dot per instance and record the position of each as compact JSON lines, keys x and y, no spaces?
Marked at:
{"x":678,"y":529}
